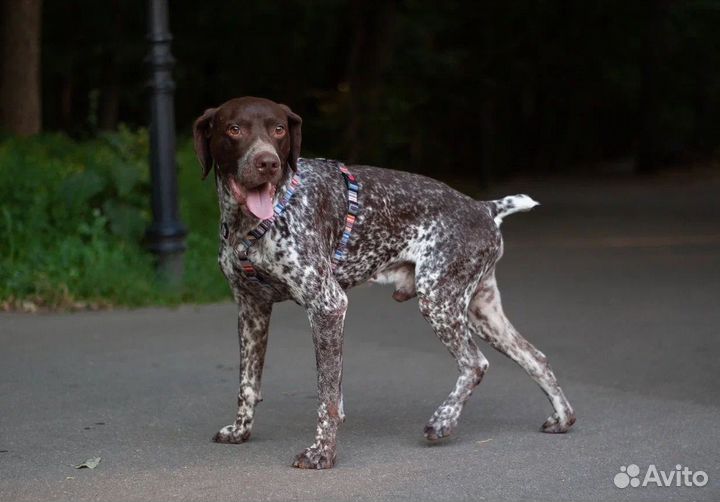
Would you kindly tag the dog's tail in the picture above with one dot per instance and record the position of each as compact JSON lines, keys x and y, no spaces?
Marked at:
{"x":500,"y":208}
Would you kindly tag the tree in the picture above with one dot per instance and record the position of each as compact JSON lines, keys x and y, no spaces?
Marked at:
{"x":20,"y":98}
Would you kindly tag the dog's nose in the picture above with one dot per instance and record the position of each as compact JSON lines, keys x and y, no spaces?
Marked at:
{"x":266,"y":163}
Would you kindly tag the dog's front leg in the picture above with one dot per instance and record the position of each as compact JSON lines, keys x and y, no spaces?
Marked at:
{"x":327,"y":317}
{"x":253,"y":321}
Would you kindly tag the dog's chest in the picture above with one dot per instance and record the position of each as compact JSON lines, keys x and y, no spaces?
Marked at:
{"x":276,"y":261}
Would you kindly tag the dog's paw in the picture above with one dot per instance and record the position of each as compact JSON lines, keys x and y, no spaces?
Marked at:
{"x":231,"y":434}
{"x":438,"y":430}
{"x":315,"y":457}
{"x":555,"y":425}
{"x":442,"y":423}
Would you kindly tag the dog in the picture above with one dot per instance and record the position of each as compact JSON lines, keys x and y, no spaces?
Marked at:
{"x":307,"y":230}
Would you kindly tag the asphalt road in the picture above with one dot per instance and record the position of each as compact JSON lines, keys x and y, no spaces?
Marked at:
{"x":618,"y":283}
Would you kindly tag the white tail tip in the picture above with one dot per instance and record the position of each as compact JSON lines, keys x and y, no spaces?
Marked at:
{"x":512,"y":204}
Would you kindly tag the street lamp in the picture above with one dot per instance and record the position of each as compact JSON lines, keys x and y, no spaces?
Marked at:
{"x":166,"y":234}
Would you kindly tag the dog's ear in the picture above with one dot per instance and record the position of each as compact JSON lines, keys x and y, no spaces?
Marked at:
{"x":201,"y":137}
{"x":295,"y":126}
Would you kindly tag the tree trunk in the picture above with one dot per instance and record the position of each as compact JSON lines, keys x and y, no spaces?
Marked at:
{"x":20,"y":98}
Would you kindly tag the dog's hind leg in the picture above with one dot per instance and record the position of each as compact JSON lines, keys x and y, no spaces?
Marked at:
{"x":445,"y":310}
{"x":489,"y":321}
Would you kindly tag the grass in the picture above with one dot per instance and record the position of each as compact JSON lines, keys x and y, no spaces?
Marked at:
{"x":72,"y":220}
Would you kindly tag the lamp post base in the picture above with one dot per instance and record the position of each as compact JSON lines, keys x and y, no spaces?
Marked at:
{"x":168,"y":245}
{"x":169,"y":269}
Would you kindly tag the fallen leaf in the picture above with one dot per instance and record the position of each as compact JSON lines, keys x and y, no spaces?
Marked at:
{"x":90,"y":463}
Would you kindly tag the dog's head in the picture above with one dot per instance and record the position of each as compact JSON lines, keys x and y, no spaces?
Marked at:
{"x":253,"y":143}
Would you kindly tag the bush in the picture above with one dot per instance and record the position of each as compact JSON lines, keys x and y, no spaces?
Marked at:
{"x":72,"y":219}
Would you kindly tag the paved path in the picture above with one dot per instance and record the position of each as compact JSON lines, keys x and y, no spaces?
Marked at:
{"x":619,"y":284}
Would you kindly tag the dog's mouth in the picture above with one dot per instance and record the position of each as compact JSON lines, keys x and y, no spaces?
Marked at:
{"x":257,"y":200}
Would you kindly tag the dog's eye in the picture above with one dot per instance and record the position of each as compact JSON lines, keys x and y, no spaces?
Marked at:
{"x":279,"y":131}
{"x":234,"y":130}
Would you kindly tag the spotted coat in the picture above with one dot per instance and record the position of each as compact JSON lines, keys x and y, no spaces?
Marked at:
{"x":413,"y":231}
{"x":427,"y":239}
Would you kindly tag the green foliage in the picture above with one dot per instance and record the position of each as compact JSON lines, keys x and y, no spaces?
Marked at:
{"x":72,"y":218}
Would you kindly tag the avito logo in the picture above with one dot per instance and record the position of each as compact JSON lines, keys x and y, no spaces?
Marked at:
{"x":680,"y":476}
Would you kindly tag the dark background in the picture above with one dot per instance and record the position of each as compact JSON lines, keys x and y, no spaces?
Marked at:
{"x":615,"y":276}
{"x":452,"y":88}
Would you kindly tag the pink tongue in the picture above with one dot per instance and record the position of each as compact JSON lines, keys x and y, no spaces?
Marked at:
{"x":259,"y":201}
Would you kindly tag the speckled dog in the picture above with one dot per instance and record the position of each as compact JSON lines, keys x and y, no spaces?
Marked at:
{"x":405,"y":233}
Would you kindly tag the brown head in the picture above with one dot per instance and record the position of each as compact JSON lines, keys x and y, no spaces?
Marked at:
{"x":254,"y":143}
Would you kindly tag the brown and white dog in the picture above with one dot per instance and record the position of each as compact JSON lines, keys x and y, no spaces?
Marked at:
{"x":404,"y":233}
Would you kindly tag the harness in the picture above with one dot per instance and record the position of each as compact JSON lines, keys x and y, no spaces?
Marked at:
{"x":340,"y":255}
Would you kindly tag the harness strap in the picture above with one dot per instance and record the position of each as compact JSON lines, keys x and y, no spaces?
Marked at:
{"x":258,"y":232}
{"x":353,"y":189}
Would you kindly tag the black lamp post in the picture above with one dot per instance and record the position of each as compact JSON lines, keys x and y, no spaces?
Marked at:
{"x":166,"y":234}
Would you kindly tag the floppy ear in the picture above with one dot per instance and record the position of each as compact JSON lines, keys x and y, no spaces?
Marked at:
{"x":295,"y":125}
{"x":201,"y":138}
